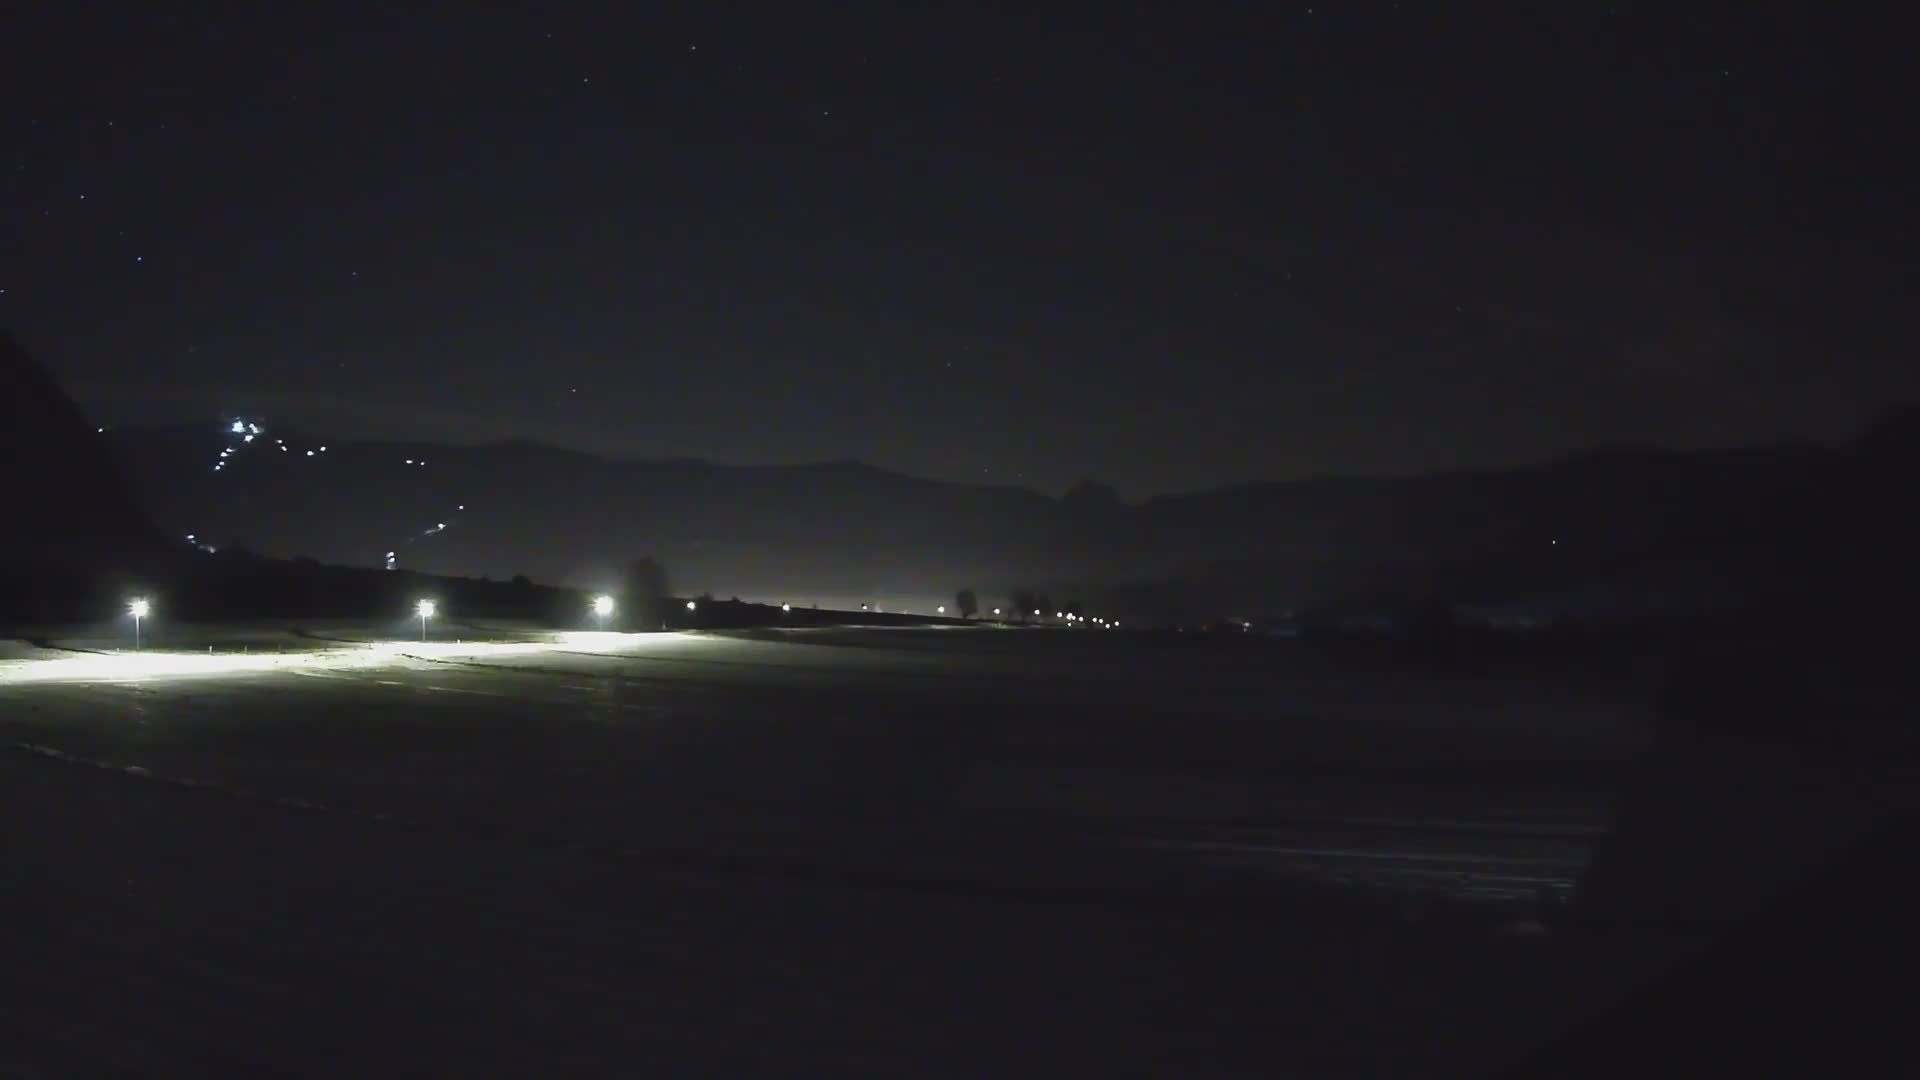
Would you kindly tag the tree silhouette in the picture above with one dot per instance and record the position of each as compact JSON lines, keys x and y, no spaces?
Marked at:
{"x":643,"y":605}
{"x":966,"y":603}
{"x":1024,"y":603}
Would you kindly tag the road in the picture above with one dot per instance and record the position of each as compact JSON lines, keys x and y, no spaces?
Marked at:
{"x":911,"y":851}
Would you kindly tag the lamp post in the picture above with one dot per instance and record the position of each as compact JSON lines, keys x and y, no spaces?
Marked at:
{"x":602,"y":607}
{"x":138,"y":609}
{"x":425,"y":609}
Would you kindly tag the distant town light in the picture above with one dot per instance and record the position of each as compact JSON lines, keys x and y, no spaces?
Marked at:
{"x":786,"y":607}
{"x":691,"y":605}
{"x":996,"y":611}
{"x":941,"y":610}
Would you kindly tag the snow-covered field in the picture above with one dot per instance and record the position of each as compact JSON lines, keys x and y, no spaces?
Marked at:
{"x":830,"y":851}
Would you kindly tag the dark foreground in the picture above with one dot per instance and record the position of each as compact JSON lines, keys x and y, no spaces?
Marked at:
{"x":821,"y":853}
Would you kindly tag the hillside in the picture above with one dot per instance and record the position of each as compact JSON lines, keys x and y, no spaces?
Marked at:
{"x":71,"y":522}
{"x":1607,"y":529}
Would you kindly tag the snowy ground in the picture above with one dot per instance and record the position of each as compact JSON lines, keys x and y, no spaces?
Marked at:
{"x":831,"y":851}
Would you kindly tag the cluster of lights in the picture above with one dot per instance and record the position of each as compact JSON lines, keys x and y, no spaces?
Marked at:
{"x":248,"y":431}
{"x":1067,"y":617}
{"x":243,"y":428}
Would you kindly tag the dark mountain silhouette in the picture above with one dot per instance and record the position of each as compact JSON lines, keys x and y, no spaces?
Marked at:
{"x":71,"y":522}
{"x":1605,"y":532}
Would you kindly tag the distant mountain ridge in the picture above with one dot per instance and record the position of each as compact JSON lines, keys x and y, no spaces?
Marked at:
{"x":843,"y":532}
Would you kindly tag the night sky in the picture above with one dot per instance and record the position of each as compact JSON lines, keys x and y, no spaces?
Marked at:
{"x":1164,"y":250}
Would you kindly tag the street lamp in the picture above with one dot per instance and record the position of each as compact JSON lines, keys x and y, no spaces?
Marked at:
{"x":602,"y":607}
{"x":941,"y":610}
{"x":786,"y":607}
{"x":425,"y":609}
{"x":138,"y":609}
